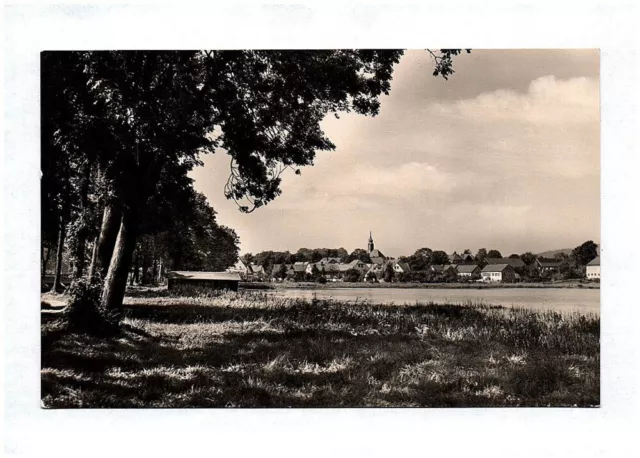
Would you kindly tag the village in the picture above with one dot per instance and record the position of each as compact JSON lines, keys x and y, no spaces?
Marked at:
{"x":463,"y":267}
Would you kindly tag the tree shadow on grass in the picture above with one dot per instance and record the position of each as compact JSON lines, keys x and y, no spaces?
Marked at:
{"x":306,"y":356}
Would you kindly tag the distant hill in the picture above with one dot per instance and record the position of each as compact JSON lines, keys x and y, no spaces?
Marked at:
{"x":552,"y":253}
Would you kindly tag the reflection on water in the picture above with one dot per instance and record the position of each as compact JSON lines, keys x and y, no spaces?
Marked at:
{"x":558,"y":299}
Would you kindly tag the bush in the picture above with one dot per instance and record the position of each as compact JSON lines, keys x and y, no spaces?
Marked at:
{"x":353,"y":276}
{"x":84,"y":312}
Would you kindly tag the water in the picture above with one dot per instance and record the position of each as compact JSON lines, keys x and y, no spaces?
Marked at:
{"x":558,"y":299}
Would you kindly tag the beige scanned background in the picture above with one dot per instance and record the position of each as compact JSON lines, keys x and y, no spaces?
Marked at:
{"x":505,"y":154}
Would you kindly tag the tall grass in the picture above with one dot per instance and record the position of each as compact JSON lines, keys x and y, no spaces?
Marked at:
{"x":253,"y":349}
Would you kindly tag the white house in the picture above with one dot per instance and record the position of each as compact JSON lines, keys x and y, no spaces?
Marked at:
{"x":240,"y":268}
{"x":593,"y":269}
{"x":498,"y":273}
{"x":401,"y":267}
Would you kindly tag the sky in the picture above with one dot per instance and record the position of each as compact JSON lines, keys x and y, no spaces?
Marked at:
{"x":504,"y":155}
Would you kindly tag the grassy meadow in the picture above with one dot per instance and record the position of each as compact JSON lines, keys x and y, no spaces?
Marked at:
{"x":249,"y":349}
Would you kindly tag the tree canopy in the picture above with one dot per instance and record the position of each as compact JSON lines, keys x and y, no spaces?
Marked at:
{"x":139,"y":120}
{"x":585,"y":253}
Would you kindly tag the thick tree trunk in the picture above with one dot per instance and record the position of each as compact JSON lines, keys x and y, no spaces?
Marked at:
{"x":57,"y":283}
{"x":111,"y":219}
{"x":116,"y":279}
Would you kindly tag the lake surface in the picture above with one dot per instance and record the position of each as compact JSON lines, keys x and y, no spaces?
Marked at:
{"x":558,"y":299}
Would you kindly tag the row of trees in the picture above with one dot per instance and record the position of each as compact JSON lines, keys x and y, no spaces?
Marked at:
{"x":122,"y":129}
{"x":572,"y":265}
{"x":422,"y":259}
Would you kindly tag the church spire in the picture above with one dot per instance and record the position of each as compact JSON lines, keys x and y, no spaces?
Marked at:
{"x":370,"y":245}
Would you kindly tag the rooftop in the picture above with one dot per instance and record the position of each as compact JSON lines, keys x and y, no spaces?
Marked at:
{"x":192,"y":275}
{"x":513,"y":262}
{"x":495,"y":267}
{"x":467,"y":268}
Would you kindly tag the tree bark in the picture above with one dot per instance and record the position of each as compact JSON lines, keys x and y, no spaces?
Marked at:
{"x":57,"y":283}
{"x":160,"y":276}
{"x":145,"y":269}
{"x":116,"y":279}
{"x":136,"y":270}
{"x":154,"y":270}
{"x":94,"y":257}
{"x":111,"y":221}
{"x":45,"y":260}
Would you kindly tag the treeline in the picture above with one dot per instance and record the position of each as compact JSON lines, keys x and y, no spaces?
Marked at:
{"x":115,"y":191}
{"x":423,"y":261}
{"x":267,"y":259}
{"x":180,"y":233}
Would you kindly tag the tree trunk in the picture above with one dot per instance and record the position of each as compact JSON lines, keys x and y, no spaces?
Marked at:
{"x":57,"y":283}
{"x":160,"y":276}
{"x":116,"y":280}
{"x":154,"y":270}
{"x":136,"y":270}
{"x":94,"y":257}
{"x":111,"y":220}
{"x":45,"y":260}
{"x":145,"y":269}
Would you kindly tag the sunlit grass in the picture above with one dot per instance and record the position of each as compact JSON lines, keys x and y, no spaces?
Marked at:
{"x":258,"y":350}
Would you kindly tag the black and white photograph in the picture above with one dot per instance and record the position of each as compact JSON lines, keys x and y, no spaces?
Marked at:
{"x":320,"y":228}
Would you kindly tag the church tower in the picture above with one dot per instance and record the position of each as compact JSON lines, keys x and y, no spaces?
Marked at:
{"x":370,"y":245}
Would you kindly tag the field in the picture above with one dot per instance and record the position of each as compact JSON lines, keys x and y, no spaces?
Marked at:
{"x":251,"y":350}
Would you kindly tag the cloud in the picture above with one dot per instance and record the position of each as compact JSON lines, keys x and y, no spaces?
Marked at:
{"x":548,"y":101}
{"x":512,"y":164}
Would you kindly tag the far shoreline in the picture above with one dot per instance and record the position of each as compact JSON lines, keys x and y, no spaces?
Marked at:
{"x":347,"y":285}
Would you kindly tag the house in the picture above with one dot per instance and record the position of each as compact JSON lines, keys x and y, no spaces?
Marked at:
{"x":241,"y":268}
{"x":549,"y":265}
{"x":276,"y":271}
{"x":516,"y":263}
{"x":376,"y":271}
{"x":593,"y":269}
{"x":498,"y":273}
{"x":467,"y":258}
{"x":330,"y":270}
{"x":401,"y":267}
{"x":442,"y":268}
{"x":205,"y":280}
{"x":356,"y":264}
{"x":455,"y":258}
{"x":468,"y":270}
{"x":379,"y":269}
{"x":299,"y":269}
